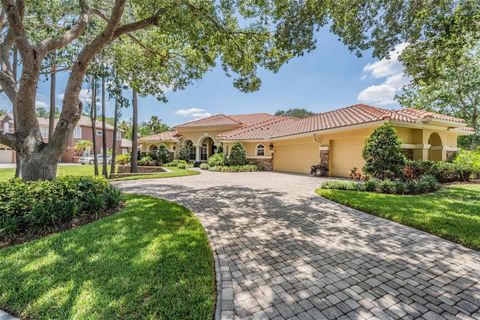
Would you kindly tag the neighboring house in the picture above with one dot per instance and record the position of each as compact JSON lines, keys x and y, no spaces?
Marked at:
{"x":83,"y":131}
{"x":335,"y":138}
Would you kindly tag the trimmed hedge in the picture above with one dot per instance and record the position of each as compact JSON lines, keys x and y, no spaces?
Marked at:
{"x":204,"y":166}
{"x":42,"y":206}
{"x":424,"y":184}
{"x":444,"y":172}
{"x":245,"y":168}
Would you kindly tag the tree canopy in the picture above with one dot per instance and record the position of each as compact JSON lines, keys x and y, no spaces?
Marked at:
{"x":295,"y":113}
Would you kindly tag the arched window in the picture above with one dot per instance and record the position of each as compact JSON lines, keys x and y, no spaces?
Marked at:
{"x":204,"y":152}
{"x":260,"y":150}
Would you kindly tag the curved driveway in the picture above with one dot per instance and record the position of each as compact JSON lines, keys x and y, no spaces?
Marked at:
{"x":286,"y":253}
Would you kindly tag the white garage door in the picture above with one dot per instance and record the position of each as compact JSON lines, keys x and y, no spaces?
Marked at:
{"x":6,"y":155}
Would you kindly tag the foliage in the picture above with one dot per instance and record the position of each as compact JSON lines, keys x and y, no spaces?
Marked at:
{"x":355,"y":174}
{"x":444,"y":67}
{"x":238,"y":155}
{"x":319,"y":170}
{"x":184,"y":154}
{"x":217,"y":159}
{"x":442,"y":171}
{"x":82,"y":145}
{"x":145,"y":161}
{"x":163,"y":153}
{"x":235,"y":168}
{"x":39,"y":207}
{"x":469,"y":158}
{"x":452,"y":212}
{"x":124,"y":159}
{"x":175,"y":163}
{"x":295,"y":113}
{"x":382,"y":153}
{"x":204,"y":166}
{"x":182,"y":166}
{"x":151,"y":260}
{"x":424,"y":184}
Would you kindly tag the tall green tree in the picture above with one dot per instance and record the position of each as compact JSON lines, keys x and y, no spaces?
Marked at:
{"x":295,"y":113}
{"x":445,"y":69}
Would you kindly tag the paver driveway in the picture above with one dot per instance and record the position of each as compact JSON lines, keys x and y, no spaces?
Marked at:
{"x":286,"y":253}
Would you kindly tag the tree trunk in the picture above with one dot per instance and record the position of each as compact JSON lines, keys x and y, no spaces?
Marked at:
{"x":134,"y":165}
{"x":53,"y":85}
{"x":115,"y":130}
{"x":93,"y":117}
{"x":38,"y":166}
{"x":104,"y":132}
{"x":18,"y":166}
{"x":474,"y":141}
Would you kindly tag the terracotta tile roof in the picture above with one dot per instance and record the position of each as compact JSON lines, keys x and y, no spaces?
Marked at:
{"x":260,"y":130}
{"x":168,"y":136}
{"x":230,"y":120}
{"x":349,"y":116}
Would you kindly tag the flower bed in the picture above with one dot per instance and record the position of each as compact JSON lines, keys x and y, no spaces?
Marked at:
{"x":244,"y":168}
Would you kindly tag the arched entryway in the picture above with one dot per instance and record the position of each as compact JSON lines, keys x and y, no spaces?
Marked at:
{"x":153,"y":148}
{"x":207,"y":148}
{"x":436,"y":147}
{"x":191,"y":150}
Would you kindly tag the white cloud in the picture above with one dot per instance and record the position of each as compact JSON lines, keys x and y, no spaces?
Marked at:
{"x":41,"y":104}
{"x":391,"y":71}
{"x":201,"y":115}
{"x":189,"y":112}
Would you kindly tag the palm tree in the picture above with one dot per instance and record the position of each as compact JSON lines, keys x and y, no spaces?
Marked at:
{"x":155,"y":124}
{"x":82,"y":145}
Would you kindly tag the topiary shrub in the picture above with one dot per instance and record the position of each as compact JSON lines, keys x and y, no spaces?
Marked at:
{"x":39,"y":207}
{"x":382,"y":152}
{"x":182,"y":166}
{"x":183,"y":154}
{"x":163,"y":154}
{"x":204,"y":166}
{"x":238,"y":156}
{"x":218,"y":159}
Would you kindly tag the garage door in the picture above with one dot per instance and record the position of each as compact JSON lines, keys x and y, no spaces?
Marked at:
{"x":296,"y":158}
{"x":344,"y":155}
{"x":6,"y":155}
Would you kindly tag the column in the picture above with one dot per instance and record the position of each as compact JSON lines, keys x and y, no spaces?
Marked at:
{"x":197,"y":153}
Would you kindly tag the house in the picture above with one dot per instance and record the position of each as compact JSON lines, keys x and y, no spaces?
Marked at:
{"x":335,"y":138}
{"x":83,"y":131}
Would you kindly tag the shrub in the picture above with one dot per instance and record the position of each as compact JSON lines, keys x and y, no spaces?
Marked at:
{"x":238,"y":156}
{"x":442,"y":171}
{"x":175,"y":163}
{"x":469,"y":158}
{"x":163,"y":154}
{"x":182,"y":166}
{"x":183,"y":154}
{"x":41,"y":206}
{"x":123,"y":159}
{"x":386,"y":186}
{"x":145,"y":161}
{"x":244,"y":168}
{"x":371,"y":185}
{"x":355,"y":174}
{"x":204,"y":166}
{"x":383,"y":154}
{"x":342,"y":185}
{"x":218,"y":159}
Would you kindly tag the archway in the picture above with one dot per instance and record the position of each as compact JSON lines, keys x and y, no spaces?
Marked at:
{"x":207,"y":148}
{"x":436,"y":147}
{"x":153,"y":148}
{"x":192,"y":154}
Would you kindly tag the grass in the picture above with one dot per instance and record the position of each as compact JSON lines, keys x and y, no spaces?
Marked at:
{"x":151,"y":260}
{"x":87,"y":170}
{"x":452,"y":213}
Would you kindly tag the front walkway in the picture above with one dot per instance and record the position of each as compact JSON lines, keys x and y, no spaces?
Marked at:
{"x":286,"y":253}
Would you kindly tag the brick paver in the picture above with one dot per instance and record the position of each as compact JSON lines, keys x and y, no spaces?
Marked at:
{"x":284,"y":252}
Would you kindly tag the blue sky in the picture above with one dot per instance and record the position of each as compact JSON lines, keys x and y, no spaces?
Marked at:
{"x":328,"y":78}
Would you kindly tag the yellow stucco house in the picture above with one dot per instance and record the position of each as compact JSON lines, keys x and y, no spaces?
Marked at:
{"x":333,"y":138}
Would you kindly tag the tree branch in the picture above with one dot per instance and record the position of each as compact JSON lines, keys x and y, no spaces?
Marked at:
{"x":8,"y":84}
{"x":51,"y":44}
{"x":8,"y":139}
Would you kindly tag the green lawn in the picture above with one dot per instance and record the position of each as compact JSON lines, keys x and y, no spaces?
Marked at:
{"x":151,"y":260}
{"x":87,"y":170}
{"x":452,"y":213}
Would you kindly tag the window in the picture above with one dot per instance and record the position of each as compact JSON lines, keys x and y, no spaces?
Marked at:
{"x":119,"y":135}
{"x":99,"y":133}
{"x":192,"y":152}
{"x":44,"y":132}
{"x":260,"y":150}
{"x":6,"y":127}
{"x":77,"y":133}
{"x":203,"y":152}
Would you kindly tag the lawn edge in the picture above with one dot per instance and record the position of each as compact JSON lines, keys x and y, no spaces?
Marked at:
{"x":354,"y":210}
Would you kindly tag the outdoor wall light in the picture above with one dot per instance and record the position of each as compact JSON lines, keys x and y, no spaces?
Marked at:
{"x":271,"y":146}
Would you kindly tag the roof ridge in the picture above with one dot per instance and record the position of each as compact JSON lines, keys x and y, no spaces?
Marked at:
{"x":256,"y":125}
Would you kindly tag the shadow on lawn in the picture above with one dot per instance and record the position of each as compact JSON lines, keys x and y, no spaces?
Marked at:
{"x":308,"y":243}
{"x":154,"y":262}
